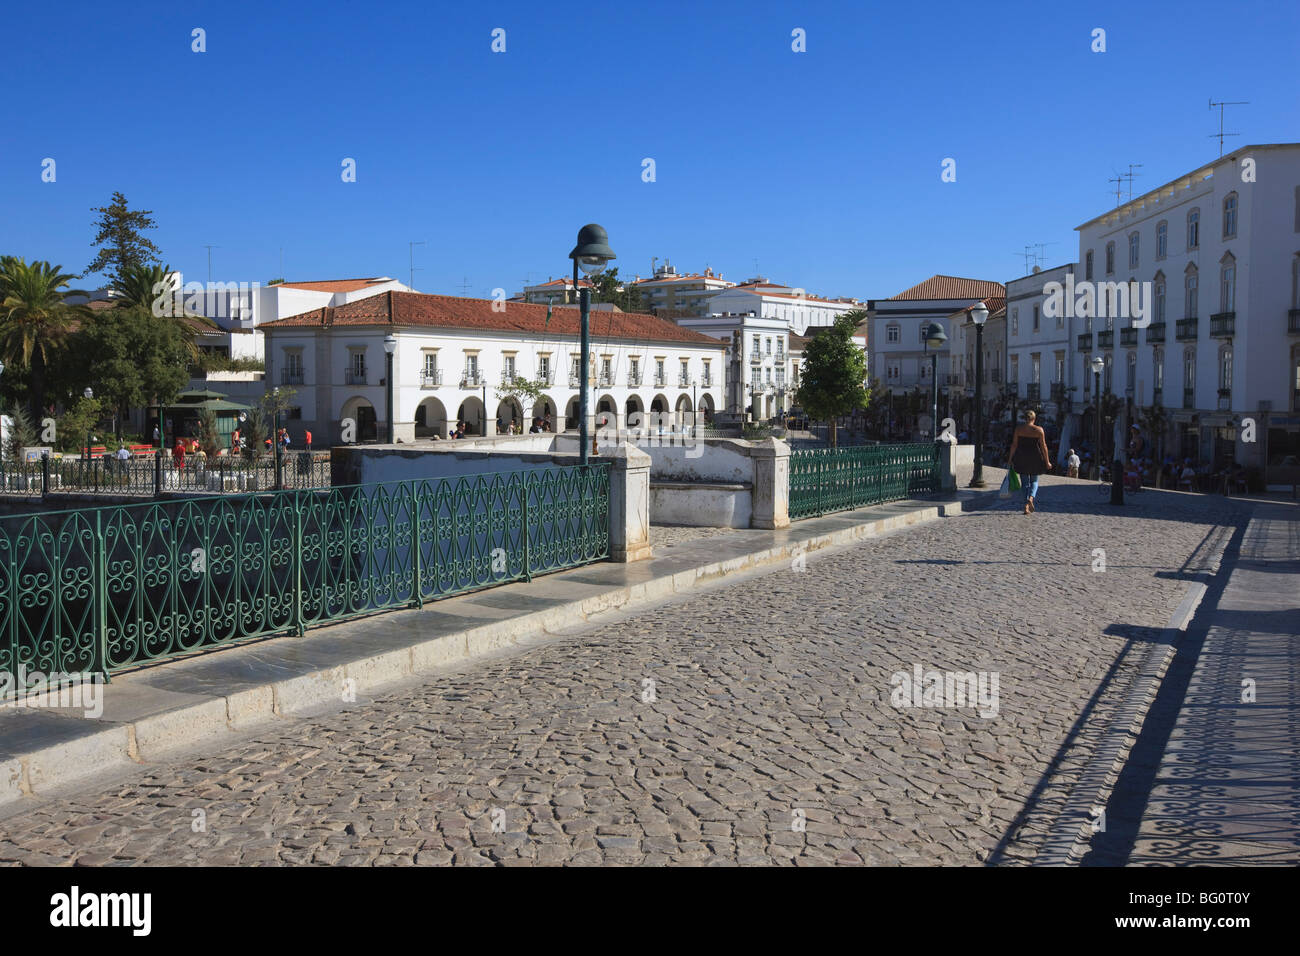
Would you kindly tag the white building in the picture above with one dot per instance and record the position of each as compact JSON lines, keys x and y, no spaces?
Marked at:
{"x":240,"y":312}
{"x":673,"y":295}
{"x":759,"y":379}
{"x":454,"y":355}
{"x":1220,"y":248}
{"x":900,"y":360}
{"x":1038,"y":345}
{"x":798,"y":310}
{"x":558,"y":291}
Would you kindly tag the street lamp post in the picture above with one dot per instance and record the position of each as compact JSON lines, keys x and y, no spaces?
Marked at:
{"x":979,"y":315}
{"x":390,"y":346}
{"x":1097,"y":365}
{"x":934,"y":339}
{"x":90,"y":433}
{"x":591,"y":255}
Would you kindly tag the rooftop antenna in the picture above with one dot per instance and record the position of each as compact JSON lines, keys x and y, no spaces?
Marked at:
{"x":282,"y":262}
{"x":1221,"y":134}
{"x":411,"y":249}
{"x":1118,"y":181}
{"x":1129,"y":175}
{"x":464,"y":285}
{"x":210,"y":248}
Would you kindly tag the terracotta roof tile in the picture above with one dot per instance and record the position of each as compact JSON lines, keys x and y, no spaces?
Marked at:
{"x":406,"y":309}
{"x":993,"y":303}
{"x":333,"y":285}
{"x":952,"y":287}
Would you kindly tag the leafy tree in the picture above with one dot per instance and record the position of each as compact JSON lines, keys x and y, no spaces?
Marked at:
{"x":133,"y":359}
{"x":77,"y":422}
{"x":121,"y":245}
{"x":209,"y":433}
{"x":35,"y":321}
{"x":21,"y":432}
{"x":272,"y":406}
{"x":525,"y":391}
{"x":834,"y":372}
{"x":139,"y":285}
{"x":605,"y":288}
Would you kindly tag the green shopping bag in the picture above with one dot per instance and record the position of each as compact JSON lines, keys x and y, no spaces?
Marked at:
{"x":1014,"y":479}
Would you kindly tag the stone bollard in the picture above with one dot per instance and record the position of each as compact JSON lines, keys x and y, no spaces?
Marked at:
{"x":947,"y":465}
{"x":771,"y":493}
{"x":629,"y":503}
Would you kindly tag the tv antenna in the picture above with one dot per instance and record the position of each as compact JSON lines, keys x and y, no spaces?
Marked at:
{"x":210,"y":248}
{"x":411,"y":249}
{"x":464,"y":285}
{"x":1130,"y":176}
{"x":1118,"y":180}
{"x":1221,"y":134}
{"x":1034,"y":258}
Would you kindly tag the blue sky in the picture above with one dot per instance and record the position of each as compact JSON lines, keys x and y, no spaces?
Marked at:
{"x":823,"y":166}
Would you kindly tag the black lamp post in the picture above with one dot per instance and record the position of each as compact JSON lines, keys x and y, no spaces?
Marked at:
{"x":90,"y":435}
{"x":934,"y":339}
{"x":1097,"y":365}
{"x":591,"y":254}
{"x":979,"y":315}
{"x":390,"y":346}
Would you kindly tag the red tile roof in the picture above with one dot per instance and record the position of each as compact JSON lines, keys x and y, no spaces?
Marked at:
{"x":952,"y":287}
{"x":335,"y":285}
{"x":400,"y":309}
{"x":993,"y":303}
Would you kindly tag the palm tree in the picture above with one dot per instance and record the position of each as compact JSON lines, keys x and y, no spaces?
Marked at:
{"x":35,"y":319}
{"x":141,"y":285}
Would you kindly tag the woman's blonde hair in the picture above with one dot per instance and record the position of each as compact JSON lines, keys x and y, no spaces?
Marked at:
{"x":1030,"y":415}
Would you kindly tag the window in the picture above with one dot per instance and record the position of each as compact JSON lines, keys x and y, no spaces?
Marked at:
{"x":780,"y":347}
{"x":1087,"y":374}
{"x":1106,"y":376}
{"x":891,"y":371}
{"x":1230,"y":216}
{"x":293,"y":368}
{"x":606,"y":369}
{"x":1225,"y":369}
{"x":1110,"y":258}
{"x":686,"y":368}
{"x":575,"y":366}
{"x":544,"y":368}
{"x":1189,"y":369}
{"x":1190,"y":293}
{"x":1194,"y":229}
{"x":508,"y":368}
{"x":767,"y":346}
{"x":1130,"y":371}
{"x":1035,"y":368}
{"x":357,"y":365}
{"x":1228,"y":285}
{"x":925,"y":371}
{"x":431,"y":365}
{"x":471,"y":366}
{"x":1162,"y":239}
{"x":1159,"y":289}
{"x":1087,"y":265}
{"x":1133,"y":240}
{"x":892,"y":333}
{"x":634,"y":369}
{"x":1158,"y":368}
{"x":757,"y":347}
{"x":1035,"y":318}
{"x":1015,"y":321}
{"x":659,"y":370}
{"x":1013,"y":370}
{"x":1058,"y":372}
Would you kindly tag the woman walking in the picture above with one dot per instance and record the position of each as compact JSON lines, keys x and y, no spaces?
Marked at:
{"x":1029,"y":457}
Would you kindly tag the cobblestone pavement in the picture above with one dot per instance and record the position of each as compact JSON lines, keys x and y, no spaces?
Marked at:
{"x":663,"y":536}
{"x":769,"y":737}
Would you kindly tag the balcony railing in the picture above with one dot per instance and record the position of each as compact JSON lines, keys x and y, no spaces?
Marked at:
{"x":633,"y":379}
{"x":1156,"y":332}
{"x":431,"y":378}
{"x":1031,"y":391}
{"x":1058,"y":392}
{"x":1222,"y":324}
{"x":1085,"y":341}
{"x":471,"y":379}
{"x":545,"y":378}
{"x":661,"y":381}
{"x":605,"y":380}
{"x":1128,"y":338}
{"x":706,"y":381}
{"x":997,"y":376}
{"x":1293,"y":322}
{"x":1106,"y":339}
{"x":355,"y":378}
{"x":756,"y":356}
{"x":575,"y":379}
{"x":290,"y":378}
{"x":1189,"y":398}
{"x":1185,"y":331}
{"x":684,"y":380}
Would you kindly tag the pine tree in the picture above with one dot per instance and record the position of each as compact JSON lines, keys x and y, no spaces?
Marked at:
{"x":121,"y":245}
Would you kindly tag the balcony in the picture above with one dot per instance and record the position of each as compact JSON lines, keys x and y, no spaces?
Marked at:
{"x":997,"y":376}
{"x":1106,"y":339}
{"x":544,"y":379}
{"x":1222,"y":324}
{"x":1189,"y":398}
{"x":355,"y":378}
{"x":1128,"y":338}
{"x":660,"y":381}
{"x":288,"y":377}
{"x":431,"y":378}
{"x":756,"y":356}
{"x":1293,"y":322}
{"x":1085,"y":341}
{"x":706,"y":381}
{"x":605,"y":380}
{"x":1156,"y":332}
{"x":472,"y":379}
{"x":1031,"y":391}
{"x":1058,"y":392}
{"x":1185,"y":331}
{"x":953,"y":378}
{"x":633,"y":379}
{"x":684,"y":380}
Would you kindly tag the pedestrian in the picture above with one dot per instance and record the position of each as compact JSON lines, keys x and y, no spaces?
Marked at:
{"x":1072,"y":463}
{"x":157,"y":435}
{"x":537,"y":427}
{"x":1029,"y":457}
{"x":308,"y":437}
{"x":178,"y":454}
{"x":123,"y":455}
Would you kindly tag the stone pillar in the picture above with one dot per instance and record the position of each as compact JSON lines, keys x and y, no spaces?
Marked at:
{"x":771,"y":494}
{"x":947,"y":466}
{"x":629,"y":503}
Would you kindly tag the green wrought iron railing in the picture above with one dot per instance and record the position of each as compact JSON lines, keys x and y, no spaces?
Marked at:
{"x":156,"y":476}
{"x":98,"y":590}
{"x":827,"y":480}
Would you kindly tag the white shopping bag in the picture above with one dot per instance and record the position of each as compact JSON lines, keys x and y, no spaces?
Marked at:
{"x":1005,"y":490}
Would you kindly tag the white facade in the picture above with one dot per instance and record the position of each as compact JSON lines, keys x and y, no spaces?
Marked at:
{"x":760,"y":376}
{"x":450,"y":365}
{"x":793,"y":307}
{"x":691,"y":293}
{"x":1220,"y":248}
{"x":1039,"y":346}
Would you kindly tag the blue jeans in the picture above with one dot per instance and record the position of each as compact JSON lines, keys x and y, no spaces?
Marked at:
{"x":1029,"y":485}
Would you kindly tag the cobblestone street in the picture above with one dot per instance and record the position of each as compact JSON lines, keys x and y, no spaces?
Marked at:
{"x":767,"y":734}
